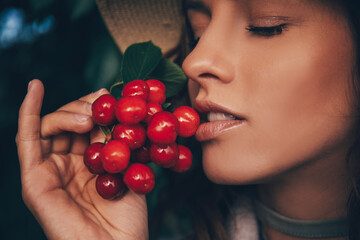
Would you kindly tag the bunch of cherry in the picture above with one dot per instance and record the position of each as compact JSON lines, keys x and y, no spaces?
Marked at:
{"x":141,"y":132}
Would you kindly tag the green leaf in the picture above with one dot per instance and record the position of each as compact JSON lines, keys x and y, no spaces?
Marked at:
{"x":139,"y":60}
{"x":171,"y":75}
{"x":166,"y":105}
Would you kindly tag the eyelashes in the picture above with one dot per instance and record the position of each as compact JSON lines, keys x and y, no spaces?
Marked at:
{"x":257,"y":31}
{"x":267,"y":31}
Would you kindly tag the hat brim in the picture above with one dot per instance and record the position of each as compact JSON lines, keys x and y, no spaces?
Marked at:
{"x":132,"y":21}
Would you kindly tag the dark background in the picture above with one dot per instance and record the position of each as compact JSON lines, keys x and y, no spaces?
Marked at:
{"x":67,"y":46}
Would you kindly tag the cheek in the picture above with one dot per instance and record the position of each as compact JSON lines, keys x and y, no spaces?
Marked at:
{"x":314,"y":79}
{"x":306,"y":90}
{"x":193,"y":89}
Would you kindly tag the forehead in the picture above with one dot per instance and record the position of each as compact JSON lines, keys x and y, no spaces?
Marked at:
{"x":265,"y":3}
{"x":260,"y":7}
{"x":250,"y":2}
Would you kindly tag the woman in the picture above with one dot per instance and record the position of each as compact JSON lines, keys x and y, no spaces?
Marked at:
{"x":278,"y":82}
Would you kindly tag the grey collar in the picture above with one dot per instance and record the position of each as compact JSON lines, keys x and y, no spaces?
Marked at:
{"x":329,"y":228}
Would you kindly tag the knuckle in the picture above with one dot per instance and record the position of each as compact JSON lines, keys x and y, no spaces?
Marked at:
{"x":27,"y":137}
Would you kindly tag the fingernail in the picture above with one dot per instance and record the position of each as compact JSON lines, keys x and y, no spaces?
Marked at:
{"x":29,"y":85}
{"x":81,"y":117}
{"x":98,"y":92}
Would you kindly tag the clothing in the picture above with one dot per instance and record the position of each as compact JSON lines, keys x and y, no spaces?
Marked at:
{"x":242,"y":223}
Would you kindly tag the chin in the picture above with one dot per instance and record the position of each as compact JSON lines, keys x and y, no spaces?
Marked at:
{"x":221,"y":166}
{"x":244,"y":164}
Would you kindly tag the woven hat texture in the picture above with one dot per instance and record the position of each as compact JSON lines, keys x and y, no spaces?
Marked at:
{"x":131,"y":21}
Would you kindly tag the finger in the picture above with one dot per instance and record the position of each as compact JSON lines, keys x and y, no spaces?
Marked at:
{"x":46,"y":146}
{"x":93,"y":96}
{"x":28,"y":136}
{"x":61,"y":143}
{"x":79,"y":143}
{"x":96,"y":135}
{"x":78,"y":106}
{"x":60,"y":121}
{"x":84,"y":104}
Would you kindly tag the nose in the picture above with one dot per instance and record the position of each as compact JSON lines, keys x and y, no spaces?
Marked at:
{"x":210,"y":60}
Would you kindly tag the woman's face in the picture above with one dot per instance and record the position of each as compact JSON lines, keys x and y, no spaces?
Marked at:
{"x":273,"y":77}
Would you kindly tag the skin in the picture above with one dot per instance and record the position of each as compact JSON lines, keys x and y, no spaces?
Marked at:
{"x":293,"y":91}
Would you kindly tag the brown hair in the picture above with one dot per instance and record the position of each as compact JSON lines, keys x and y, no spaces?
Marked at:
{"x":352,"y":11}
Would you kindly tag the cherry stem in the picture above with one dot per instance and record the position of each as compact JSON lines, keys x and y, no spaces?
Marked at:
{"x":106,"y":131}
{"x":116,"y":84}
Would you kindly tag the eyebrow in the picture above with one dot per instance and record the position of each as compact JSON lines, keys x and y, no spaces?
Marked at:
{"x":197,"y":6}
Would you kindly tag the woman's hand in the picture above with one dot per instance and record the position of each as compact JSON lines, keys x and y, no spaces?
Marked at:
{"x":57,"y":187}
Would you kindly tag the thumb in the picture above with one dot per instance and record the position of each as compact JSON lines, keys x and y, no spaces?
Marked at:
{"x":28,"y":136}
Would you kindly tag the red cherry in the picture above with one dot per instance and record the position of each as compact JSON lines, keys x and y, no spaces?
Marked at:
{"x":189,"y":120}
{"x":140,"y":178}
{"x":130,"y":110}
{"x":141,"y":154}
{"x":133,"y":135}
{"x":163,"y":128}
{"x":164,"y":155}
{"x":103,"y":110}
{"x":92,"y":158}
{"x":136,"y":88}
{"x":110,"y":186}
{"x":115,"y":156}
{"x":157,"y":91}
{"x":152,"y":108}
{"x":184,"y":161}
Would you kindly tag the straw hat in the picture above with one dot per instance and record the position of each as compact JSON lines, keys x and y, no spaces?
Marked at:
{"x":131,"y":21}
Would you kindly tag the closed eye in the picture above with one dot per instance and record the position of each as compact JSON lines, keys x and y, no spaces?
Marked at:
{"x":267,"y":31}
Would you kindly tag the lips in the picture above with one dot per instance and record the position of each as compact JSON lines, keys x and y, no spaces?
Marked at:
{"x":216,"y":119}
